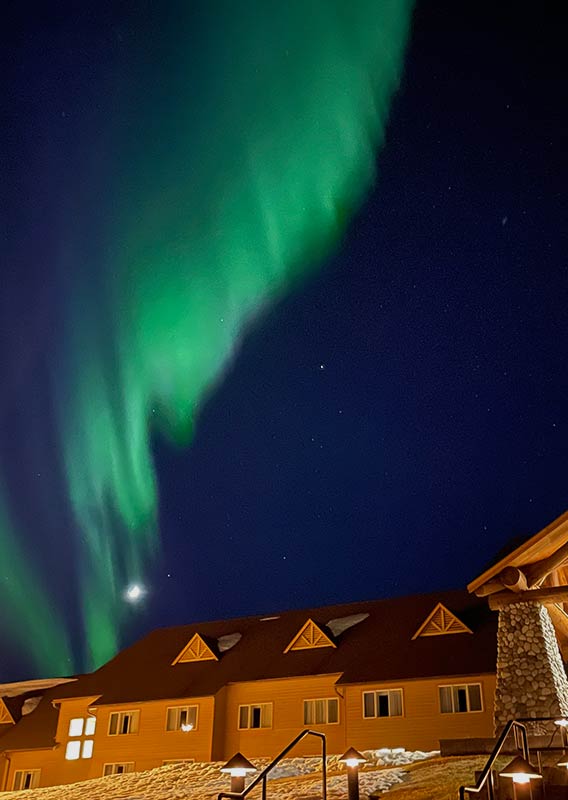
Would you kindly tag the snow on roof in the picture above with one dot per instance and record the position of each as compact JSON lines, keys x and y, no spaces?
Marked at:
{"x":226,"y":642}
{"x":341,"y":624}
{"x":23,"y":687}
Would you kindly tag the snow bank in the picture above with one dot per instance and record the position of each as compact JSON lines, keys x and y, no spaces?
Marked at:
{"x":293,"y":778}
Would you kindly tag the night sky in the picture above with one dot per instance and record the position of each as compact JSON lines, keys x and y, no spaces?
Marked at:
{"x":386,"y":427}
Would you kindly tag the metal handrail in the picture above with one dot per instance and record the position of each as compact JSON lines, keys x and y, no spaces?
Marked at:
{"x":518,"y":727}
{"x":262,"y":776}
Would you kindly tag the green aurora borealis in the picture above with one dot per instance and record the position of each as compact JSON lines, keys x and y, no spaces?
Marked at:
{"x":236,"y":149}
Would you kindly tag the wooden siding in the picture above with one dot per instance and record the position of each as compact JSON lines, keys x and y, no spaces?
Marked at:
{"x":287,"y":696}
{"x":44,"y":760}
{"x":148,"y":748}
{"x":217,"y":736}
{"x":422,"y":724}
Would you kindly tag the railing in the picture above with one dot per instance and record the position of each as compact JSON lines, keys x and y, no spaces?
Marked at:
{"x":486,"y":776}
{"x":263,"y":775}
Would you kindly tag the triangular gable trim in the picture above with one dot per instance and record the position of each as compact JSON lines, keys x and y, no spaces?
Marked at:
{"x":5,"y":717}
{"x":195,"y":650}
{"x":309,"y":637}
{"x":440,"y":622}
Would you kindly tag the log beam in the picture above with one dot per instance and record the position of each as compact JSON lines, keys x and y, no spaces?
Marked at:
{"x":538,"y":571}
{"x":551,"y":594}
{"x":489,"y":588}
{"x":513,"y":579}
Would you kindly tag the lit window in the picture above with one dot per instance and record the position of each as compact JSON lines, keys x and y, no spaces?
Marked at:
{"x":87,"y":750}
{"x":73,"y":750}
{"x":119,"y":768}
{"x":181,"y":718}
{"x":90,"y":725}
{"x":123,"y":722}
{"x":76,"y":726}
{"x":255,"y":716}
{"x":26,"y":779}
{"x":459,"y":699}
{"x":382,"y":703}
{"x":321,"y":712}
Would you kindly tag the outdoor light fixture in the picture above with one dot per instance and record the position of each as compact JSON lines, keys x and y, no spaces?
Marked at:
{"x":237,"y":767}
{"x":520,"y":771}
{"x":352,"y":758}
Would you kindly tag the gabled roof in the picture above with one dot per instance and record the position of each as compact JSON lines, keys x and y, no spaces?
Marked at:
{"x":195,"y":650}
{"x":540,"y":546}
{"x":440,"y":622}
{"x":309,"y":637}
{"x":377,"y":649}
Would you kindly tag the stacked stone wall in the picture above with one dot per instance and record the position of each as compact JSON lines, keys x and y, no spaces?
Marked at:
{"x":531,"y":679}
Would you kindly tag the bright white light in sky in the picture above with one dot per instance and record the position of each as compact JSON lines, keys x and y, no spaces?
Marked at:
{"x":134,"y":593}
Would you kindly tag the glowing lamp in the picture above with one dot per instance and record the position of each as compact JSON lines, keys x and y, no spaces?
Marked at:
{"x":237,"y":767}
{"x":563,"y":762}
{"x":352,"y":758}
{"x":520,"y":771}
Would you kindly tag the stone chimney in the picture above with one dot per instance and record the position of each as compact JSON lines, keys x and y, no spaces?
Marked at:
{"x":531,"y":679}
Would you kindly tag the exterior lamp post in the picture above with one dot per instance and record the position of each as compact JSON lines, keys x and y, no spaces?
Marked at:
{"x":237,"y":767}
{"x":520,"y":771}
{"x":352,"y":759}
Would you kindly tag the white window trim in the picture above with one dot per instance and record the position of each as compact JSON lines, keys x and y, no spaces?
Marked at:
{"x":36,"y":772}
{"x":118,"y":764}
{"x":461,"y":686}
{"x":254,"y":705}
{"x":121,"y":713}
{"x":175,"y":708}
{"x":383,"y":689}
{"x":315,"y":699}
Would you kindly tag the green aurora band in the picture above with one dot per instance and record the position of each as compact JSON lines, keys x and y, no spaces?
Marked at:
{"x":28,"y":618}
{"x":239,"y":154}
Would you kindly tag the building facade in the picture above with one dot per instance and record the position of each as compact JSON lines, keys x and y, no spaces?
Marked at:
{"x":402,"y":672}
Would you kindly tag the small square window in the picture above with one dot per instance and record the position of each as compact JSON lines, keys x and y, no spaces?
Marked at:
{"x":87,"y":751}
{"x":73,"y":750}
{"x":76,"y":726}
{"x":90,"y":726}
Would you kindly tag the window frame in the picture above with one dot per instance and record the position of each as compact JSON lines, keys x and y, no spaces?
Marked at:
{"x":255,"y":705}
{"x":179,"y":709}
{"x":327,"y":701}
{"x":35,"y":773}
{"x":461,"y":686}
{"x":118,"y":764}
{"x":121,"y":715}
{"x":386,"y":690}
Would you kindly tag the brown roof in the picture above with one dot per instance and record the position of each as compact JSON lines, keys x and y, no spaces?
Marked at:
{"x":379,"y":648}
{"x":35,"y":730}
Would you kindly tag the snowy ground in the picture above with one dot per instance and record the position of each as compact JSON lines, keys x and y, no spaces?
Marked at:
{"x":293,"y":779}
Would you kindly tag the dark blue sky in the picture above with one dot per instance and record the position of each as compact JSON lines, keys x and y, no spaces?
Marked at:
{"x":389,"y":427}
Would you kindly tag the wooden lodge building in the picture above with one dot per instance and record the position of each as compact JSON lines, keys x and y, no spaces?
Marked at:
{"x":403,"y":672}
